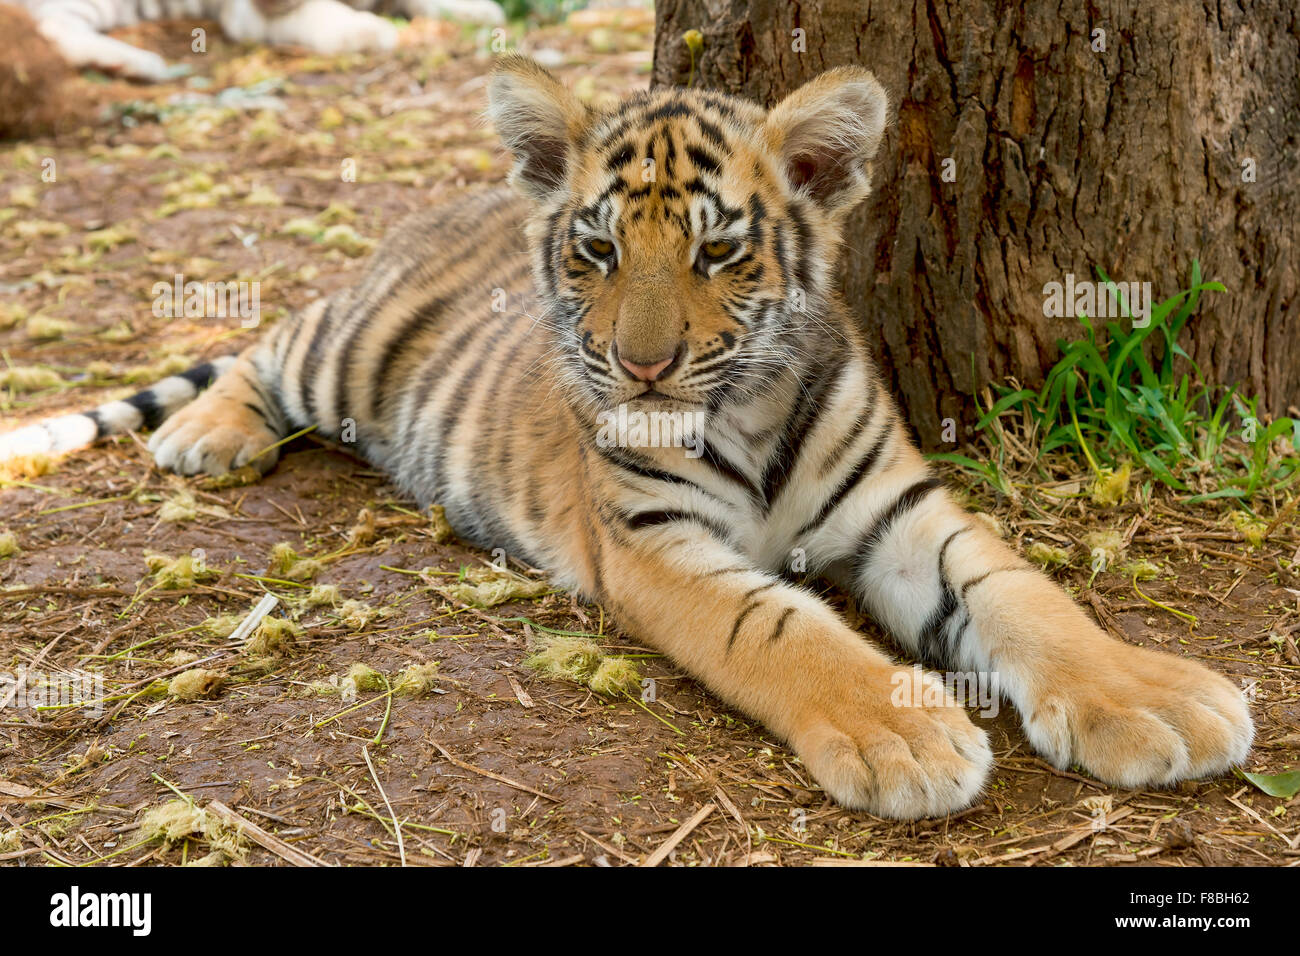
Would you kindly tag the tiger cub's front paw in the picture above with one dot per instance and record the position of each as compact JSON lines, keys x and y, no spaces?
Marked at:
{"x":1135,"y":717}
{"x":893,"y":756}
{"x":214,"y":437}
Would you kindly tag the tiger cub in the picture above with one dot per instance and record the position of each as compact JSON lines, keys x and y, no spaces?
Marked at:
{"x":76,"y":28}
{"x":672,"y":260}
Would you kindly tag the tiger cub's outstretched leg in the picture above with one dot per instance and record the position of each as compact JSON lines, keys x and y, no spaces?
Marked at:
{"x":230,"y":425}
{"x":785,"y":657}
{"x":956,"y":596}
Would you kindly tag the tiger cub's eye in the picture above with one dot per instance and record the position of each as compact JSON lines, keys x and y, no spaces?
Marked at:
{"x":600,"y":247}
{"x":718,"y":249}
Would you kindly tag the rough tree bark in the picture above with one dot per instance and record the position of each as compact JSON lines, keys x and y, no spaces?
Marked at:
{"x":1065,"y":157}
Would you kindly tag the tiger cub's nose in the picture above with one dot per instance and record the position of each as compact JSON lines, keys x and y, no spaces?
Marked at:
{"x":650,"y":371}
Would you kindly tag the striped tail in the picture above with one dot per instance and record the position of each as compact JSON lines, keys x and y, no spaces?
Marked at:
{"x":147,"y":409}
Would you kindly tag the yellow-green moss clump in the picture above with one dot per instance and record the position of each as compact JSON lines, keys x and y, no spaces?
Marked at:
{"x":1142,"y":570}
{"x":223,"y":625}
{"x":157,"y":371}
{"x":1250,"y":527}
{"x":27,"y":467}
{"x":573,"y":659}
{"x":323,"y":595}
{"x":241,"y":476}
{"x":439,"y":526}
{"x":1110,"y":487}
{"x":179,"y":507}
{"x":1049,"y":556}
{"x":197,"y":683}
{"x":357,"y":614}
{"x":179,"y":658}
{"x":359,"y":679}
{"x":286,"y":563}
{"x":489,"y":586}
{"x":581,"y":661}
{"x":616,"y":676}
{"x":363,"y":532}
{"x":44,"y":328}
{"x":8,"y":544}
{"x":179,"y":820}
{"x":1106,"y":545}
{"x":417,"y":680}
{"x":28,"y":378}
{"x":177,"y":573}
{"x":365,"y":678}
{"x":273,"y":637}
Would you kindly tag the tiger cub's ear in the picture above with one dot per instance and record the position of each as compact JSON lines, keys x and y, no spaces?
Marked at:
{"x":538,"y":119}
{"x":824,"y":133}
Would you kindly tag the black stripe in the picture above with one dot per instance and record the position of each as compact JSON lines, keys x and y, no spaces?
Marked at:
{"x":551,"y":242}
{"x":94,"y":416}
{"x":712,"y":132}
{"x":851,"y":480}
{"x":200,"y":376}
{"x":802,"y":422}
{"x":285,"y":343}
{"x":804,"y":236}
{"x":650,"y":519}
{"x":979,"y":578}
{"x":703,"y":159}
{"x":740,"y":618}
{"x":311,"y":360}
{"x":435,"y":369}
{"x":779,"y":240}
{"x":734,"y":569}
{"x":865,"y":420}
{"x":397,"y":341}
{"x":668,"y":110}
{"x":933,"y":644}
{"x":620,"y":158}
{"x":428,"y":316}
{"x":483,"y":483}
{"x":904,"y":503}
{"x":727,"y":470}
{"x":757,"y":213}
{"x":636,"y":465}
{"x":780,"y":626}
{"x":446,"y":428}
{"x":147,"y":405}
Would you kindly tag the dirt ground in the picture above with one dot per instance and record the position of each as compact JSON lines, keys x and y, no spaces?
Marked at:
{"x":493,"y":764}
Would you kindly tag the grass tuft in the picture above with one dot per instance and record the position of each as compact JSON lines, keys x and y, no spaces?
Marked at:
{"x":197,"y":683}
{"x":1129,"y":397}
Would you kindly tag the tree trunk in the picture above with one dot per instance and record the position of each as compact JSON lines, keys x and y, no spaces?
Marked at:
{"x":1131,"y":149}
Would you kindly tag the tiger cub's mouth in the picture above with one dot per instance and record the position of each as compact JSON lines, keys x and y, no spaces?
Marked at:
{"x":653,"y":395}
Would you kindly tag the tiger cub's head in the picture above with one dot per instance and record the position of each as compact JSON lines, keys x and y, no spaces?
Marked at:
{"x":684,"y":240}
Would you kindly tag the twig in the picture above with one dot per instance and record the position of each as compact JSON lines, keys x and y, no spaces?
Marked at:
{"x":680,"y":834}
{"x":397,"y":824}
{"x":255,"y":833}
{"x":488,"y":773}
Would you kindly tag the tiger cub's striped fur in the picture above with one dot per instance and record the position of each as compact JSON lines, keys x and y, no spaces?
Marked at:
{"x":678,"y":258}
{"x":76,"y":28}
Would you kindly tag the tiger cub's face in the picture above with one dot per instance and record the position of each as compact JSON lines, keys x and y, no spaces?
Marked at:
{"x":683,"y":240}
